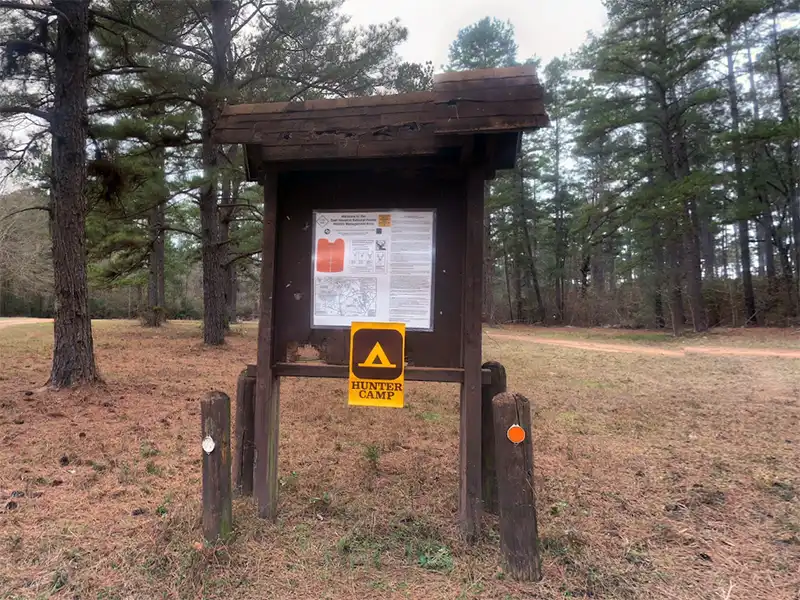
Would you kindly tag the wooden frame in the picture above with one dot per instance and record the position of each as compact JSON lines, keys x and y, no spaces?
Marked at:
{"x":430,"y":150}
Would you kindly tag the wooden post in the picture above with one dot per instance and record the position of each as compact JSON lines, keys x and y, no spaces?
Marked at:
{"x":496,"y":385}
{"x":519,"y":537}
{"x":245,"y":423}
{"x":265,"y":474}
{"x":215,"y":416}
{"x":470,"y":424}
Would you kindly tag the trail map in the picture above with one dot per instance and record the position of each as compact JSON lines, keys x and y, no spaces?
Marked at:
{"x":373,"y":266}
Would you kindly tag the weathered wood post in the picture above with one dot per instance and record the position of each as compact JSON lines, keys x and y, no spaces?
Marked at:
{"x":470,"y":505}
{"x":496,"y":385}
{"x":519,"y":537}
{"x":245,"y":427}
{"x":215,"y":415}
{"x":265,"y":472}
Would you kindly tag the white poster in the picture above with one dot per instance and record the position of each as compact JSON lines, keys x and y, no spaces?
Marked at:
{"x":373,"y":266}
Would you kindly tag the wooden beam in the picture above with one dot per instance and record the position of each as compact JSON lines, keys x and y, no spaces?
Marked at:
{"x":267,"y":390}
{"x":440,"y":165}
{"x":503,"y":90}
{"x":427,"y":146}
{"x":470,"y":424}
{"x":484,"y":74}
{"x":284,"y":369}
{"x":459,"y":87}
{"x":466,"y":108}
{"x":327,"y":104}
{"x":362,"y":135}
{"x":347,"y":116}
{"x":491,"y":124}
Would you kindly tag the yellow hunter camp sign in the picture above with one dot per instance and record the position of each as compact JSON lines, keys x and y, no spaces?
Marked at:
{"x":377,"y":364}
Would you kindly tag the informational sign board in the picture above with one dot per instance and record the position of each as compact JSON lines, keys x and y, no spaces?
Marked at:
{"x":377,"y":364}
{"x":373,"y":266}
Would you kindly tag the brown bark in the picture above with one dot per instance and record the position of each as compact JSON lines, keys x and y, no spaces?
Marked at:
{"x":155,"y":314}
{"x":518,"y":276}
{"x":73,"y":349}
{"x":507,"y":273}
{"x":741,"y":194}
{"x":694,"y":267}
{"x":213,"y":250}
{"x":658,"y":284}
{"x":230,"y":193}
{"x":678,"y":317}
{"x":528,"y":245}
{"x":765,"y":225}
{"x":709,"y":246}
{"x":560,"y":249}
{"x":786,"y":118}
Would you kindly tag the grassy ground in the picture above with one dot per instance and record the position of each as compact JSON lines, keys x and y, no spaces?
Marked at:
{"x":665,"y":477}
{"x":782,"y":338}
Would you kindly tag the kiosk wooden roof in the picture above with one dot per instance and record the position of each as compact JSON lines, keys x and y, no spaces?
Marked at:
{"x":495,"y":104}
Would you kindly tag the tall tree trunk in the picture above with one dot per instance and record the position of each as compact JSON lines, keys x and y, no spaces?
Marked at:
{"x":231,"y":292}
{"x":676,"y":250}
{"x":766,"y":251}
{"x":520,"y":298}
{"x":213,"y":250}
{"x":786,"y":118}
{"x":228,"y":266}
{"x":155,"y":280}
{"x":694,"y":268}
{"x":522,"y":223}
{"x":786,"y":268}
{"x":161,"y":258}
{"x":724,"y":254}
{"x":506,"y":271}
{"x":156,"y":295}
{"x":678,"y":317}
{"x":520,"y":215}
{"x":658,"y":287}
{"x":73,"y":348}
{"x":708,"y":244}
{"x":598,"y":271}
{"x":230,"y":198}
{"x":742,"y":200}
{"x":609,"y":257}
{"x":694,"y":273}
{"x":585,"y":270}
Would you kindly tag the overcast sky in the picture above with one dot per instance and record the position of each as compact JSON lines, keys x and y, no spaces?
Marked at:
{"x":547,"y":28}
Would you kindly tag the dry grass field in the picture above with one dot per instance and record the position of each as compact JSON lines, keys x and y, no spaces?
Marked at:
{"x":666,"y":474}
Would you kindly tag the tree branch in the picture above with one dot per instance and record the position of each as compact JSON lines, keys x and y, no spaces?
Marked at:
{"x":183,"y":231}
{"x":22,"y":210}
{"x":238,"y":257}
{"x":47,"y":10}
{"x":16,"y":110}
{"x":174,"y":44}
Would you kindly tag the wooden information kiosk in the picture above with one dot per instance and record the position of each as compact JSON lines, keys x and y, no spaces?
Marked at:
{"x":374,"y":211}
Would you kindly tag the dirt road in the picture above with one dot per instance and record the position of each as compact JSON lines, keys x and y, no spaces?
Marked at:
{"x":652,"y":351}
{"x":577,"y":344}
{"x":21,"y":321}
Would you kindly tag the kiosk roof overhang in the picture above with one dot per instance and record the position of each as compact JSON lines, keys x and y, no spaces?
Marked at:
{"x":493,"y":104}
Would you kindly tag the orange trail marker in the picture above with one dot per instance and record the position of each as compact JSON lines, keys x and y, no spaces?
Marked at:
{"x":515,"y":434}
